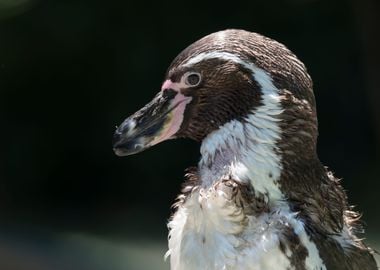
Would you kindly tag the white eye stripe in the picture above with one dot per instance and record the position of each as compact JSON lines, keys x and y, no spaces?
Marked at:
{"x":215,"y":55}
{"x":192,"y":78}
{"x":260,"y":75}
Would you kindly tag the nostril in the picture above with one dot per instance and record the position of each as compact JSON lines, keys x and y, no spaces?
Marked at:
{"x":169,"y":94}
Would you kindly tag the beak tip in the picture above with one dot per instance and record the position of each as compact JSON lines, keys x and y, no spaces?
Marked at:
{"x":125,"y":147}
{"x":119,"y":152}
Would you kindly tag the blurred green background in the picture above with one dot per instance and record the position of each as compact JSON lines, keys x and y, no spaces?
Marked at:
{"x":72,"y":70}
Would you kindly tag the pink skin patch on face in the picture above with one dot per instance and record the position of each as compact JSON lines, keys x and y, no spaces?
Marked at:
{"x":168,"y":84}
{"x":176,"y":115}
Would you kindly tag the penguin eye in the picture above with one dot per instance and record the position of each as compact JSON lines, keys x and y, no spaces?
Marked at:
{"x":192,"y":78}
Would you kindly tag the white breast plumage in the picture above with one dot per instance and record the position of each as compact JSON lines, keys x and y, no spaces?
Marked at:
{"x":209,"y":231}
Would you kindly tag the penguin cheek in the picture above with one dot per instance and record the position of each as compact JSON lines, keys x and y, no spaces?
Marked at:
{"x":197,"y":121}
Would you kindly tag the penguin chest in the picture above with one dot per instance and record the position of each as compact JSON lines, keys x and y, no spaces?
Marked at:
{"x":212,"y":229}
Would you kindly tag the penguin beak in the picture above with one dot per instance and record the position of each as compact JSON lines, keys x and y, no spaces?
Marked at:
{"x":157,"y":121}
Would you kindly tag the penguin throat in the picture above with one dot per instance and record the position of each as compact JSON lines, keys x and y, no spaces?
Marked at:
{"x":245,"y":151}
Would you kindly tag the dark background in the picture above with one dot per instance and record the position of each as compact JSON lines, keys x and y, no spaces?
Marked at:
{"x":70,"y":71}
